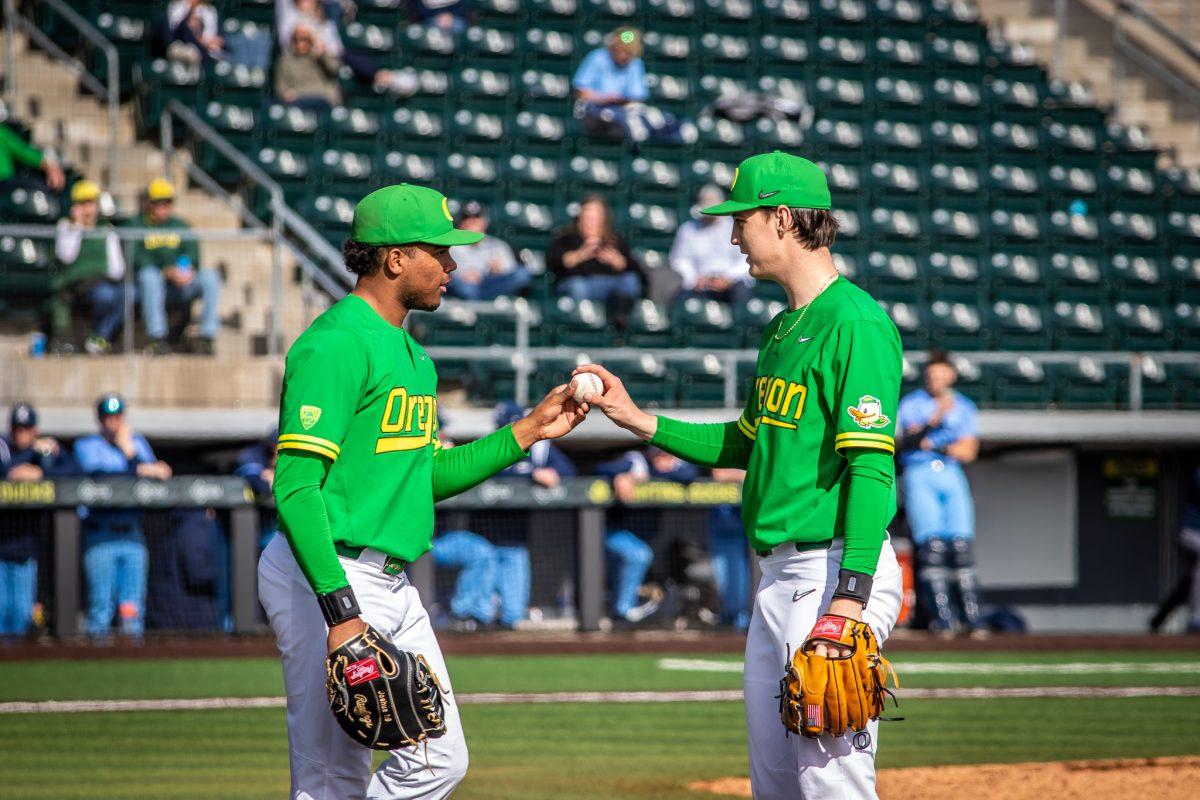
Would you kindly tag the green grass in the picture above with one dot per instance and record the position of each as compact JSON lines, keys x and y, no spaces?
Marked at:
{"x":620,"y":752}
{"x":245,"y":677}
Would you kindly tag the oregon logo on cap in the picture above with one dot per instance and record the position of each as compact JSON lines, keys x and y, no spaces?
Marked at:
{"x":735,"y":177}
{"x":446,"y":209}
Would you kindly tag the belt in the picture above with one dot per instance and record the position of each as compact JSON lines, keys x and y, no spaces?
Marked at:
{"x":389,"y":565}
{"x":801,"y":547}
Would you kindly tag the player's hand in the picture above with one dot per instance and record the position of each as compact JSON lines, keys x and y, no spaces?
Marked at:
{"x":557,"y":415}
{"x":844,"y":607}
{"x":343,"y":632}
{"x":617,"y":405}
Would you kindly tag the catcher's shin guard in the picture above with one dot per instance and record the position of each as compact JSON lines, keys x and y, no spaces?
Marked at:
{"x":963,"y":558}
{"x":933,"y":575}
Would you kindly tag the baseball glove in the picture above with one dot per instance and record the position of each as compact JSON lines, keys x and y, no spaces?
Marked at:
{"x":383,"y":697}
{"x":820,"y":695}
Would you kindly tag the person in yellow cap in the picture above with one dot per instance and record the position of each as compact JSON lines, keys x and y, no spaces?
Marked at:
{"x":816,"y":438}
{"x":168,"y":271}
{"x":359,"y":468}
{"x":91,"y":269}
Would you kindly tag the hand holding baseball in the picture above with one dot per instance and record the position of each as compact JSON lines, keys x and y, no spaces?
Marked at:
{"x":616,"y":403}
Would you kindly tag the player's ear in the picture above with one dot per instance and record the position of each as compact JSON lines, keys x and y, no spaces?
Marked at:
{"x":393,"y":261}
{"x":784,"y":222}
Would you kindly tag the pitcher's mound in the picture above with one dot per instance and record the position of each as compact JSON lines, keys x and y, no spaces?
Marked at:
{"x":1117,"y":779}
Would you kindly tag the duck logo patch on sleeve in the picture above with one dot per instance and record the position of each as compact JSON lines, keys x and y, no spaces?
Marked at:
{"x":868,"y":413}
{"x":309,"y":416}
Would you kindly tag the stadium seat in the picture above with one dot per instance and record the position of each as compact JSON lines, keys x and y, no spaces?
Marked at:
{"x":494,"y":377}
{"x":291,"y":127}
{"x":841,"y":11}
{"x":1071,"y":181}
{"x":591,"y":175}
{"x":20,"y":204}
{"x":542,"y":45}
{"x":378,"y":40}
{"x":701,"y":381}
{"x":954,"y":180}
{"x":1132,"y":228}
{"x":956,"y":326}
{"x":784,"y":11}
{"x":489,"y":47}
{"x":507,"y":14}
{"x":894,"y":224}
{"x":647,"y":378}
{"x":956,"y":94}
{"x":1015,"y":276}
{"x":558,"y":11}
{"x":479,"y":132}
{"x":1013,"y":228}
{"x":454,"y":325}
{"x":953,"y":276}
{"x":341,"y":172}
{"x":484,"y":89}
{"x":1011,"y":95}
{"x":953,"y":137}
{"x":893,"y":93}
{"x":1186,"y":380}
{"x":655,"y":180}
{"x":1073,"y":139}
{"x":892,"y":276}
{"x":1184,"y":228}
{"x":888,"y":179}
{"x":538,"y":134}
{"x":908,"y":320}
{"x":287,"y":168}
{"x":1130,"y":181}
{"x":895,"y":53}
{"x":523,"y":222}
{"x":399,"y":167}
{"x":1004,"y":137}
{"x":1185,"y":277}
{"x":474,"y":174}
{"x":1079,"y":326}
{"x":544,"y":91}
{"x":1158,"y":388}
{"x":1013,"y":180}
{"x":1184,"y":319}
{"x":329,"y":215}
{"x":1021,"y":383}
{"x":972,"y":380}
{"x":752,"y":318}
{"x":1137,"y":276}
{"x":1141,"y":326}
{"x":354,"y":129}
{"x":704,"y":323}
{"x":954,"y":228}
{"x":782,"y":52}
{"x":577,"y":323}
{"x":649,"y":326}
{"x":1074,"y":275}
{"x":1087,"y":382}
{"x":1066,"y":228}
{"x":1017,"y":326}
{"x":415,"y":129}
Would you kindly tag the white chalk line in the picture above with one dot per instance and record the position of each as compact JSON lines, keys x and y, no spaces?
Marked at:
{"x":524,"y":698}
{"x":980,"y":668}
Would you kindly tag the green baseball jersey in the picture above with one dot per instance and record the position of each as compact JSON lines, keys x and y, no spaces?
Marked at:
{"x":828,"y":384}
{"x":163,"y":246}
{"x":363,"y":394}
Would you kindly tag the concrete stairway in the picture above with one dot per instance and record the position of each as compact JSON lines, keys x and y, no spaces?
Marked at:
{"x":75,"y":124}
{"x":1088,"y":55}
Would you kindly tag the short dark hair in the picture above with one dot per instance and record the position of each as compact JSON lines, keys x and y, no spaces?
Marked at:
{"x":939,"y":357}
{"x":815,"y":227}
{"x":364,"y":260}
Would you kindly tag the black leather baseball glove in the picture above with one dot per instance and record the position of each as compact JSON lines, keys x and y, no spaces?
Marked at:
{"x":383,"y":698}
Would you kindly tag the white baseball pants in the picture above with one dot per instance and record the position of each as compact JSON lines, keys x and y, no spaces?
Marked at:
{"x":795,"y":589}
{"x":325,"y":763}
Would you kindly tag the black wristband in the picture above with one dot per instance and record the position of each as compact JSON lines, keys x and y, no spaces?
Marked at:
{"x":338,"y":606}
{"x":854,"y":586}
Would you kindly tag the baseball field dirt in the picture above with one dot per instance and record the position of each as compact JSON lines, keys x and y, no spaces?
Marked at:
{"x":1112,"y":779}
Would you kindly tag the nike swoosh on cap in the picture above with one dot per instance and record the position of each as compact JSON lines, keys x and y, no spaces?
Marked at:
{"x":762,"y":195}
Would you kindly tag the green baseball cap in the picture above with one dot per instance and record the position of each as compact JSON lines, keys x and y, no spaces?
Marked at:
{"x":774,"y":179}
{"x":407,"y":214}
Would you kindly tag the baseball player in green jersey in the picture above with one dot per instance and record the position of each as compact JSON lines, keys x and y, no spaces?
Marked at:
{"x":815,"y":439}
{"x":358,"y":472}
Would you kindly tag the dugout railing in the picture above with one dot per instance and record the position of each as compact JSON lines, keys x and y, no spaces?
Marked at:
{"x":563,"y":527}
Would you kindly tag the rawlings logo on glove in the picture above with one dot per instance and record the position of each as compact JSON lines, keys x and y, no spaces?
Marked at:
{"x":828,"y":695}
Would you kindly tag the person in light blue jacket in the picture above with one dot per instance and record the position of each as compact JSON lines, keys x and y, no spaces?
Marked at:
{"x":940,"y":433}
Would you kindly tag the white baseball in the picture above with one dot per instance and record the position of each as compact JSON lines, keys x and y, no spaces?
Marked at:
{"x":586,"y":383}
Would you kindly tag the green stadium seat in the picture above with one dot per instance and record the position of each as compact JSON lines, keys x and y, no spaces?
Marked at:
{"x":1129,"y":142}
{"x":893,"y":53}
{"x":289,"y":168}
{"x":610,"y":13}
{"x":1185,"y":186}
{"x":497,"y":322}
{"x":845,"y":181}
{"x":1138,"y":277}
{"x":1015,"y":276}
{"x":833,"y":92}
{"x":401,"y":167}
{"x":433,"y":87}
{"x":892,"y":276}
{"x":972,"y":380}
{"x":1021,"y":383}
{"x":1079,"y":326}
{"x":545,"y":91}
{"x":752,"y":318}
{"x":291,"y":127}
{"x":889,"y":180}
{"x":948,"y":52}
{"x":1011,"y":180}
{"x":415,"y":128}
{"x":578,"y":323}
{"x":1009,"y":95}
{"x":849,"y":226}
{"x":653,"y":180}
{"x":164,"y":81}
{"x":647,"y":378}
{"x":354,"y":129}
{"x":20,"y":254}
{"x":908,"y":320}
{"x":1007,"y":228}
{"x":893,"y":224}
{"x":952,"y":275}
{"x":781,"y":12}
{"x":1071,"y":182}
{"x":723,"y":54}
{"x":1184,"y":228}
{"x":898,"y":94}
{"x":649,"y":326}
{"x":1086,"y":383}
{"x":1071,"y":139}
{"x":532,"y":174}
{"x":592,"y":174}
{"x":777,"y":133}
{"x":896,"y":137}
{"x":329,"y":215}
{"x":704,"y":323}
{"x":483,"y":89}
{"x":954,"y":137}
{"x":475,"y":175}
{"x":1158,"y":388}
{"x":1141,"y":326}
{"x":1130,"y":181}
{"x":508,"y":14}
{"x":671,"y":93}
{"x":478,"y":131}
{"x":953,"y":180}
{"x":539,"y":134}
{"x":730,"y":14}
{"x":1005,"y":137}
{"x":1184,"y":319}
{"x":840,"y":52}
{"x":840,"y":11}
{"x":836,"y":136}
{"x":701,"y":381}
{"x":494,"y":377}
{"x":1132,"y":227}
{"x":955,"y":326}
{"x":489,"y":47}
{"x":379,"y":40}
{"x":1077,"y":229}
{"x":956,"y":94}
{"x":1076,"y":276}
{"x":650,"y":222}
{"x":128,"y":34}
{"x":21,"y":204}
{"x":562,"y":12}
{"x":549,"y":46}
{"x":379,"y":12}
{"x":344,"y":173}
{"x":454,"y":325}
{"x":1018,"y":326}
{"x":238,"y":124}
{"x":953,"y":228}
{"x":1186,"y":379}
{"x":260,"y":11}
{"x":782,"y":52}
{"x":703,"y":170}
{"x":525,"y":221}
{"x":1185,"y":277}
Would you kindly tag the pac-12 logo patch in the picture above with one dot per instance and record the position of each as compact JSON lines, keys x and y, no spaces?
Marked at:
{"x":309,"y":416}
{"x":868,"y":413}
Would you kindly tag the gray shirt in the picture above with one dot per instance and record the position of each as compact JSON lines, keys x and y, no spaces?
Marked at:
{"x":478,"y":258}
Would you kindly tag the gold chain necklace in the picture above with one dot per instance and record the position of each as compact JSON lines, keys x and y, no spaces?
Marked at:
{"x":804,"y":310}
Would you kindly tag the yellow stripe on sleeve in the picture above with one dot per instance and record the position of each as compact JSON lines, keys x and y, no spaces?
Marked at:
{"x":866,"y":444}
{"x":878,"y":437}
{"x":309,"y":447}
{"x":317,"y":440}
{"x":746,"y":430}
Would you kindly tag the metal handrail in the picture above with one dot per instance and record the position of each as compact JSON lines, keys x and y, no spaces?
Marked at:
{"x":111,"y":94}
{"x":1135,"y":51}
{"x":130,"y":233}
{"x":1134,"y":8}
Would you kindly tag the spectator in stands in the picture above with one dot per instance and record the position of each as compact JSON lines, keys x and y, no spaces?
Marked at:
{"x":628,"y":554}
{"x":610,"y":92}
{"x":189,"y":588}
{"x":169,"y":272}
{"x":193,"y":32}
{"x":452,"y":16}
{"x":1187,"y":589}
{"x":590,"y":261}
{"x":489,"y":571}
{"x":306,"y":74}
{"x":91,"y":268}
{"x":24,"y":456}
{"x":15,"y":152}
{"x":709,"y":265}
{"x":256,"y":463}
{"x":114,"y":548}
{"x":730,"y":555}
{"x":328,"y":42}
{"x":940,"y":433}
{"x":487,"y":269}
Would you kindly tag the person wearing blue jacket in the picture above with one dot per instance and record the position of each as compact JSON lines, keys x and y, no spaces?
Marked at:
{"x":940,"y":434}
{"x":114,"y":547}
